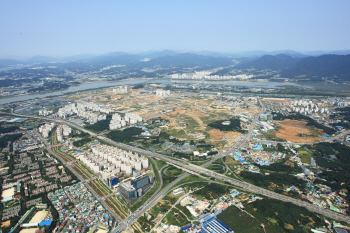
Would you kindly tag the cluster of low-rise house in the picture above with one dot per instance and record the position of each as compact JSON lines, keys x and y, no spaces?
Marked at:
{"x":313,"y":193}
{"x":206,"y":212}
{"x":254,"y":153}
{"x":118,"y":122}
{"x":27,"y":177}
{"x":235,"y":101}
{"x":85,"y":110}
{"x":78,"y":209}
{"x":323,"y":196}
{"x":29,"y":141}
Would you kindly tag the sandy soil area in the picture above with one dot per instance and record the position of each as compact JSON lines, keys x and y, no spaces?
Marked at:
{"x":101,"y":231}
{"x":290,"y":130}
{"x":6,"y":224}
{"x":8,"y":192}
{"x":218,"y":135}
{"x":30,"y":230}
{"x":276,"y":100}
{"x":39,"y":216}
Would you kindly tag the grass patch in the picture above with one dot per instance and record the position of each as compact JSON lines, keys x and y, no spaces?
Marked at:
{"x":190,"y":178}
{"x":233,"y":218}
{"x":175,"y":217}
{"x":172,"y":171}
{"x":217,"y":168}
{"x":138,"y":203}
{"x":84,"y":171}
{"x":117,"y":207}
{"x":100,"y":188}
{"x":66,"y":157}
{"x":160,"y":163}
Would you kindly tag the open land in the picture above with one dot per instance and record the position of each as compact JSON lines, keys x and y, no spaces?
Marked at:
{"x":8,"y":193}
{"x":30,"y":230}
{"x":290,"y":129}
{"x":39,"y":216}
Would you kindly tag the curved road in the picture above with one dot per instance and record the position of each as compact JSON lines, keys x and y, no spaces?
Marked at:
{"x":202,"y":170}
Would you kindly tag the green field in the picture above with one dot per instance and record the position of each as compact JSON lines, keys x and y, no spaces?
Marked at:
{"x":100,"y":188}
{"x":66,"y":157}
{"x":160,"y":163}
{"x":117,"y":207}
{"x":175,"y":217}
{"x":243,"y":222}
{"x":217,"y":168}
{"x":84,"y":171}
{"x":304,"y":156}
{"x":172,"y":171}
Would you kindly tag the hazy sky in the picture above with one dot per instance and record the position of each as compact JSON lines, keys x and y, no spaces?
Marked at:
{"x":62,"y":28}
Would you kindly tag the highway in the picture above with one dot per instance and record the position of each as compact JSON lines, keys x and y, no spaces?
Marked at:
{"x":204,"y":171}
{"x":148,"y":205}
{"x":48,"y":148}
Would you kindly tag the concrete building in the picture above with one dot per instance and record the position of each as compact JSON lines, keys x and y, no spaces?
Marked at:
{"x":127,"y":190}
{"x":140,"y":181}
{"x":163,"y":93}
{"x":121,"y":89}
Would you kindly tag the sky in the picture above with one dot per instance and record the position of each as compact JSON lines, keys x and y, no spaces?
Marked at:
{"x":65,"y":28}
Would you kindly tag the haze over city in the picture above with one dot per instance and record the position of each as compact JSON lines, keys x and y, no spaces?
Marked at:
{"x":65,"y":28}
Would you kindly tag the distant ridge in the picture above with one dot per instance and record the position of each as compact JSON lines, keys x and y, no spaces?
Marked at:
{"x":336,"y":67}
{"x":277,"y":62}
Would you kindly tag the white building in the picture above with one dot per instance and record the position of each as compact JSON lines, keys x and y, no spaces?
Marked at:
{"x":163,"y":93}
{"x":121,"y":89}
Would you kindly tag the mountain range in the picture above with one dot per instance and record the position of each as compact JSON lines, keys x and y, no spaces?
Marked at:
{"x":290,"y":64}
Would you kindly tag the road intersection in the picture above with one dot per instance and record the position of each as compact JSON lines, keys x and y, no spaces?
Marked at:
{"x":201,"y":170}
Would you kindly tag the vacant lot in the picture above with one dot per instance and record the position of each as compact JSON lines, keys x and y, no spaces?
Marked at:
{"x":8,"y":193}
{"x":30,"y":230}
{"x":292,"y":129}
{"x":218,"y":134}
{"x":247,"y":221}
{"x":39,"y":216}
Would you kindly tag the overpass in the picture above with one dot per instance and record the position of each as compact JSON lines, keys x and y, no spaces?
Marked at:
{"x":201,"y":170}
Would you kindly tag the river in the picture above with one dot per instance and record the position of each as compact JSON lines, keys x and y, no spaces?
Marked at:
{"x":88,"y":86}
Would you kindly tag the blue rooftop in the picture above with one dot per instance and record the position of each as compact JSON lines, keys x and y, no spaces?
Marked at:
{"x":45,"y":223}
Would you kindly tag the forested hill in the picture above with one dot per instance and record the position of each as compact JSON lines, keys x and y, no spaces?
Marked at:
{"x":336,"y":67}
{"x":325,"y":67}
{"x":277,"y":62}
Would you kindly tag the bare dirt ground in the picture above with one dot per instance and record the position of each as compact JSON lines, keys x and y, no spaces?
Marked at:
{"x":8,"y":192}
{"x":291,"y":128}
{"x":218,"y":135}
{"x":6,"y":224}
{"x":276,"y":100}
{"x":39,"y":216}
{"x":30,"y":230}
{"x":230,"y":161}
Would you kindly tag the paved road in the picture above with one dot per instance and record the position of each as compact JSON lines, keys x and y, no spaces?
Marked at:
{"x":48,"y":148}
{"x":123,"y":225}
{"x":243,"y":140}
{"x":148,"y":205}
{"x":201,"y":170}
